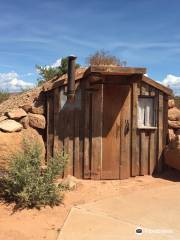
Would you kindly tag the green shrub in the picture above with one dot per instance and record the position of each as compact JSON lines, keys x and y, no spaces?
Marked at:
{"x":4,"y":95}
{"x":27,"y":184}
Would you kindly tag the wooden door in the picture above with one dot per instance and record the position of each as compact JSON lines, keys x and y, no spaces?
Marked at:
{"x":116,"y":124}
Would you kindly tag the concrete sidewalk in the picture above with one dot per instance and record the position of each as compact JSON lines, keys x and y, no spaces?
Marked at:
{"x":156,"y":211}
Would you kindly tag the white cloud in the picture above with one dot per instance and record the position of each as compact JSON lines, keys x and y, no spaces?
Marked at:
{"x":57,"y":63}
{"x":173,"y":82}
{"x":11,"y":81}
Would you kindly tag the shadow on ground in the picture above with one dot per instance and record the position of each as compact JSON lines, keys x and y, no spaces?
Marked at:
{"x":169,"y":174}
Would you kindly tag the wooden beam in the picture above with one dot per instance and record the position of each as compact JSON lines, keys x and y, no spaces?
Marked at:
{"x":94,"y":70}
{"x":157,"y":85}
{"x":57,"y":82}
{"x":116,"y":70}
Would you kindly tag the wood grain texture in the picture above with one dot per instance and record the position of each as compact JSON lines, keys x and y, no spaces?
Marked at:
{"x":144,"y":156}
{"x":144,"y":138}
{"x":57,"y":143}
{"x":96,"y":158}
{"x":135,"y":165}
{"x":112,"y":106}
{"x":144,"y":89}
{"x":50,"y":125}
{"x":87,"y":131}
{"x":152,"y":151}
{"x":76,"y":146}
{"x":125,"y":142}
{"x":160,"y":132}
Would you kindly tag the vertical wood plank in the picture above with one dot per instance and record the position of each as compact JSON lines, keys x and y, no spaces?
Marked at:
{"x":152,"y":92}
{"x":50,"y":124}
{"x":165,"y":126}
{"x":77,"y":168}
{"x":97,"y":105}
{"x":87,"y":129}
{"x":125,"y":142}
{"x":152,"y":153}
{"x":153,"y":135}
{"x":81,"y":128}
{"x":160,"y":132}
{"x":57,"y":143}
{"x":113,"y":99}
{"x":144,"y":139}
{"x":135,"y":135}
{"x":144,"y":152}
{"x":68,"y":140}
{"x":144,"y":89}
{"x":76,"y":145}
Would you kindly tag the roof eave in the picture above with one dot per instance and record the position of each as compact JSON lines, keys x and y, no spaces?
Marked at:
{"x":157,"y":85}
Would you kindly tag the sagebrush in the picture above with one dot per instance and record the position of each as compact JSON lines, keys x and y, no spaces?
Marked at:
{"x":27,"y":184}
{"x":4,"y":95}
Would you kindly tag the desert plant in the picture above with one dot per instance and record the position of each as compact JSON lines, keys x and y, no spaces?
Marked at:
{"x":177,"y":101}
{"x":102,"y":57}
{"x":46,"y":73}
{"x":27,"y":184}
{"x":4,"y":95}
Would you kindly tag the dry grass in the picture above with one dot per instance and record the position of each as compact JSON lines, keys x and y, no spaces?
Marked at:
{"x":104,"y":58}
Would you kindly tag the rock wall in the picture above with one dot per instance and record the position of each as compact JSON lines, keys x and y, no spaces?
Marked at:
{"x":21,"y":116}
{"x":172,"y":151}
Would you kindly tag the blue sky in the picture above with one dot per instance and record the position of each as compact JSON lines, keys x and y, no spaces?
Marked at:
{"x":145,"y":33}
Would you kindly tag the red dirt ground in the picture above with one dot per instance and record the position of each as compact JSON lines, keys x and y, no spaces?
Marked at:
{"x":45,"y":223}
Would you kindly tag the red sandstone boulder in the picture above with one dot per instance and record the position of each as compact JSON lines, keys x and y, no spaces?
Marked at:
{"x":37,"y":121}
{"x":37,"y":110}
{"x":171,"y":103}
{"x":172,"y":153}
{"x":17,"y":113}
{"x":171,"y":134}
{"x":174,"y":114}
{"x":2,"y":118}
{"x":174,"y":124}
{"x":25,"y":122}
{"x":10,"y":143}
{"x":10,"y":125}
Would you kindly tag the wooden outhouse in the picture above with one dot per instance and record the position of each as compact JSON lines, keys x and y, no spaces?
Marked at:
{"x":114,"y":128}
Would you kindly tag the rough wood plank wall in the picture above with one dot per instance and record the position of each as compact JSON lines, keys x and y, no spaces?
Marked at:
{"x":152,"y":142}
{"x":78,"y":131}
{"x":63,"y":130}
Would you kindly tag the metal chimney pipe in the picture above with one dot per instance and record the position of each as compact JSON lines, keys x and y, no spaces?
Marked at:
{"x":71,"y":77}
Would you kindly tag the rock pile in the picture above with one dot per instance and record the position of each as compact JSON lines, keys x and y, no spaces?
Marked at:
{"x":21,"y":116}
{"x":172,"y":151}
{"x":17,"y":119}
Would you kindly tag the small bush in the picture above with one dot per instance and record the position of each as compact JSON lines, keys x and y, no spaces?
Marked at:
{"x":27,"y":184}
{"x":104,"y":58}
{"x":4,"y":95}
